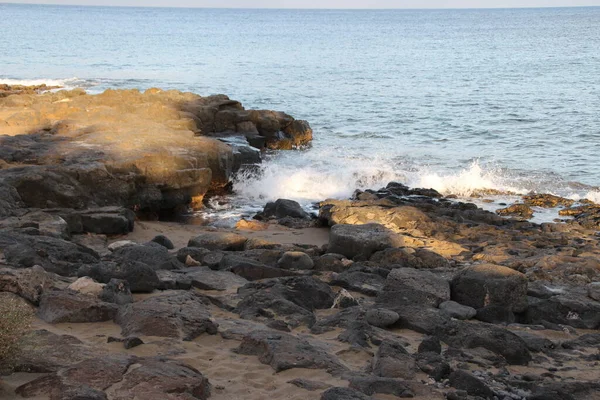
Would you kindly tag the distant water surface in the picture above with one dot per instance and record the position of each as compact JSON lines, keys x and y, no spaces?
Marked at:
{"x":457,"y":100}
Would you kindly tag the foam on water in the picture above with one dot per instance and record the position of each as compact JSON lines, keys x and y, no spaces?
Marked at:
{"x":65,"y":83}
{"x":309,"y":178}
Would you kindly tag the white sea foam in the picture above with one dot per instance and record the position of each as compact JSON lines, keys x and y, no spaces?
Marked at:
{"x":465,"y":182}
{"x":308,"y":182}
{"x":37,"y":82}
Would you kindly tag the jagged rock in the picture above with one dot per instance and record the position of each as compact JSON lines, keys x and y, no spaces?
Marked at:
{"x":407,"y":257}
{"x":43,"y":351}
{"x":495,"y":314}
{"x":143,"y":149}
{"x":53,"y":254}
{"x":131,"y":342}
{"x":163,"y":241}
{"x":141,"y":278}
{"x":197,"y":253}
{"x":547,"y":201}
{"x":343,"y":393}
{"x":284,"y":351}
{"x":457,"y":311}
{"x":463,"y":380}
{"x":358,"y":278}
{"x":411,"y":286}
{"x":155,"y":256}
{"x":393,"y":361}
{"x":421,"y":319}
{"x":249,"y":268}
{"x":69,"y":306}
{"x":361,"y":240}
{"x":295,"y":260}
{"x":173,"y":280}
{"x":28,"y":283}
{"x":381,"y":317}
{"x":495,"y":339}
{"x":430,"y":344}
{"x":516,"y":210}
{"x":290,"y":299}
{"x":332,"y":262}
{"x":486,"y":284}
{"x":125,"y":377}
{"x":588,"y":340}
{"x":309,"y":385}
{"x":116,"y":291}
{"x":219,"y":241}
{"x":578,"y":312}
{"x":206,"y":279}
{"x":594,"y":291}
{"x":374,"y":385}
{"x":284,"y":208}
{"x":177,"y":314}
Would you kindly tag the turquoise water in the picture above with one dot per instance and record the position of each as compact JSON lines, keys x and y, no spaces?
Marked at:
{"x":452,"y":99}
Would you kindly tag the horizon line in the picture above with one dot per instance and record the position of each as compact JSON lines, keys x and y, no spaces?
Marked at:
{"x":299,"y":9}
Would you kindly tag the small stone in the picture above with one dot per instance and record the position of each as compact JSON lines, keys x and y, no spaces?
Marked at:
{"x":594,"y":291}
{"x":121,"y":243}
{"x":295,"y":260}
{"x":190,"y":262}
{"x":430,"y":344}
{"x":132,"y":342}
{"x":86,"y":285}
{"x":382,"y":318}
{"x":458,"y":311}
{"x":163,"y":241}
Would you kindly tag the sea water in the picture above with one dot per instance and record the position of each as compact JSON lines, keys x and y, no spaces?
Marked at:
{"x":456,"y":100}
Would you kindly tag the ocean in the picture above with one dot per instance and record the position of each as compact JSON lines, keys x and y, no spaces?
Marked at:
{"x":456,"y":100}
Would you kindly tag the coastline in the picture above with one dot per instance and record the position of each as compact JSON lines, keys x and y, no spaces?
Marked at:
{"x":396,"y":292}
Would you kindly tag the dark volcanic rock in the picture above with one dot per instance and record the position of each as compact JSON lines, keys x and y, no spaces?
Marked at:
{"x":155,"y":256}
{"x":117,"y":291}
{"x":295,"y":260}
{"x":284,"y":208}
{"x":284,"y":351}
{"x":458,"y":311}
{"x":291,"y":300}
{"x":53,"y":254}
{"x":382,"y":318}
{"x":411,"y":286}
{"x":358,"y":278}
{"x":393,"y":361}
{"x":578,"y":312}
{"x":342,"y":393}
{"x":465,"y":381}
{"x":150,"y":379}
{"x":483,"y":285}
{"x":175,"y":314}
{"x":495,"y":339}
{"x":374,"y":385}
{"x":206,"y":279}
{"x":164,"y":241}
{"x":69,"y":306}
{"x":44,"y":351}
{"x":141,"y":278}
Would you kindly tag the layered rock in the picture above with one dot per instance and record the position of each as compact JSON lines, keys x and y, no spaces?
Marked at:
{"x":153,"y":150}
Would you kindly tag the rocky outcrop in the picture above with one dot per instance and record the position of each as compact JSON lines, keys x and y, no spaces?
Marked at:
{"x":147,"y":151}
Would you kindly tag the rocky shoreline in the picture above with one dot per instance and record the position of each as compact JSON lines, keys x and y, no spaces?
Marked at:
{"x":402,"y":293}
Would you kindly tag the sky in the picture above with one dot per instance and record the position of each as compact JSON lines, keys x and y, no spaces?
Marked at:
{"x":322,"y":3}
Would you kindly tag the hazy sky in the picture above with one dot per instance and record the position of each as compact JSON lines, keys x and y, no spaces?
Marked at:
{"x":324,"y":3}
